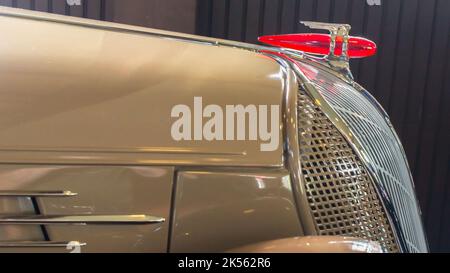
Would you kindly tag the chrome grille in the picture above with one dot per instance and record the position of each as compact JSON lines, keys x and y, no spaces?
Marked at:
{"x":340,"y":193}
{"x":381,"y":146}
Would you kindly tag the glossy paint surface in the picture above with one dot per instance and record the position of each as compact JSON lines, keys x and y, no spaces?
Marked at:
{"x":219,"y":210}
{"x":313,"y":244}
{"x":83,"y":93}
{"x":85,"y":107}
{"x":110,"y":190}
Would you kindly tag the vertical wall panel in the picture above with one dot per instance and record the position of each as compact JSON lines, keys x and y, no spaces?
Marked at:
{"x":219,"y":26}
{"x":358,"y":21}
{"x":425,"y":167}
{"x":93,"y":9}
{"x":372,"y":31}
{"x":7,"y":3}
{"x":41,"y":5}
{"x":441,"y":171}
{"x":236,"y":24}
{"x":288,"y":17}
{"x":254,"y":20}
{"x":59,"y":7}
{"x":271,"y":17}
{"x":323,"y":10}
{"x":23,"y":4}
{"x":341,"y":11}
{"x":410,"y":76}
{"x":387,"y":48}
{"x":76,"y":10}
{"x":306,"y":12}
{"x":164,"y":14}
{"x":419,"y":75}
{"x":403,"y":64}
{"x":204,"y":17}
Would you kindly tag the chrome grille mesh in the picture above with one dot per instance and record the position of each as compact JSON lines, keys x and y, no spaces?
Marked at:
{"x":341,"y":195}
{"x":381,"y":146}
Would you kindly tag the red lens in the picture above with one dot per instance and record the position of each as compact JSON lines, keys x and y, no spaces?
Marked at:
{"x":317,"y":43}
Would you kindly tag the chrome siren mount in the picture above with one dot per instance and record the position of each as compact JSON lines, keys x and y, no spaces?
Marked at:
{"x":339,"y":63}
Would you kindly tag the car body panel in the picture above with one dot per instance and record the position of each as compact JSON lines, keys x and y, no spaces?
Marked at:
{"x":18,"y":206}
{"x":96,"y":93}
{"x":99,"y":190}
{"x":220,"y":209}
{"x":312,"y":244}
{"x":86,"y":108}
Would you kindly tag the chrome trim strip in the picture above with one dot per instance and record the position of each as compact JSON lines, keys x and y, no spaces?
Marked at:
{"x":128,"y":150}
{"x":291,"y":155}
{"x":38,"y":193}
{"x":45,"y":244}
{"x":318,"y":62}
{"x":81,"y":219}
{"x":126,"y":159}
{"x":117,"y":27}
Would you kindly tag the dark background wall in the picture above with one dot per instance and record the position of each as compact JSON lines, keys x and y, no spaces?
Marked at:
{"x":164,"y":14}
{"x":410,"y":75}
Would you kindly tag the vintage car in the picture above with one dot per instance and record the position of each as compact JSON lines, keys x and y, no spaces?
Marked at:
{"x":119,"y":138}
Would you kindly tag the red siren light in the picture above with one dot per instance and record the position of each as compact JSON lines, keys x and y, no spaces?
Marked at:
{"x":317,"y":43}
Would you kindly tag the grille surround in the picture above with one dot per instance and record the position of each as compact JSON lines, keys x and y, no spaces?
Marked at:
{"x":382,"y":152}
{"x":340,"y":192}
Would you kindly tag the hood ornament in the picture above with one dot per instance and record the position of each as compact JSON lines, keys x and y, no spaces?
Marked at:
{"x":338,"y":32}
{"x":332,"y":50}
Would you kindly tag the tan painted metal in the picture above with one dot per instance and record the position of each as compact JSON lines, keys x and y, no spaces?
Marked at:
{"x":78,"y":94}
{"x":102,"y":190}
{"x":218,"y":210}
{"x":313,"y":244}
{"x":86,"y":92}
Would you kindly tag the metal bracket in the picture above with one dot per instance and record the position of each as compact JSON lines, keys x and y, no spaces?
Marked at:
{"x":338,"y":63}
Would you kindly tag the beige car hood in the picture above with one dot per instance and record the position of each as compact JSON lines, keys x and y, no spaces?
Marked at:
{"x":81,"y":91}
